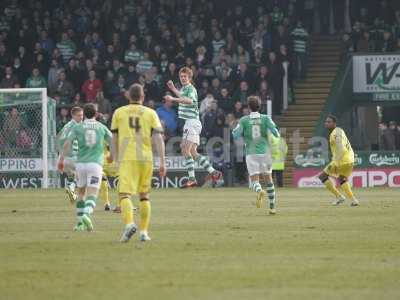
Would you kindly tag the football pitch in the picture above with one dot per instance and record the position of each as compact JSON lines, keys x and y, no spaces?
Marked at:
{"x":207,"y":244}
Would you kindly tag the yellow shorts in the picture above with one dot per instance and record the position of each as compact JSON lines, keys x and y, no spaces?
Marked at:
{"x":135,"y":177}
{"x":335,"y":170}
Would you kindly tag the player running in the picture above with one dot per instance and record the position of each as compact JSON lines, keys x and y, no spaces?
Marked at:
{"x":133,"y":127}
{"x":90,"y":135}
{"x":70,"y":160}
{"x":341,"y":165}
{"x":254,"y":128}
{"x":188,"y":110}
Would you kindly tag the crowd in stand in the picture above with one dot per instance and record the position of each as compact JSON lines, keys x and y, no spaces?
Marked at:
{"x":91,"y":51}
{"x":376,"y":29}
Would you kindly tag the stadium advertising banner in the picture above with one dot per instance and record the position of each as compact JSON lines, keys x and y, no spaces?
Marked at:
{"x":27,"y":173}
{"x":377,"y":76}
{"x":371,"y":169}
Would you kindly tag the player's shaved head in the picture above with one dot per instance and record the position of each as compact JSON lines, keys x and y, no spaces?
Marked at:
{"x":330,"y":122}
{"x":332,"y":118}
{"x":75,"y":110}
{"x":89,"y":110}
{"x":254,"y":103}
{"x":135,"y":93}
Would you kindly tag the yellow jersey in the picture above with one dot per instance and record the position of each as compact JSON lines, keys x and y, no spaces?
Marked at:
{"x":342,"y":152}
{"x":135,"y":124}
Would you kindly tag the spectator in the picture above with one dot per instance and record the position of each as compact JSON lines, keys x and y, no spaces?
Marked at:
{"x":300,"y":40}
{"x":387,"y":139}
{"x":12,"y":126}
{"x":265,"y":94}
{"x":277,"y":72}
{"x":23,"y":140}
{"x":238,"y":110}
{"x":167,"y":115}
{"x":347,"y":47}
{"x":396,"y":134}
{"x":225,"y":102}
{"x":133,"y":54}
{"x":387,"y":44}
{"x":74,"y":74}
{"x":242,"y":93}
{"x":67,"y":47}
{"x":9,"y":79}
{"x":36,"y":80}
{"x":63,"y":88}
{"x":145,"y":64}
{"x":63,"y":119}
{"x":206,"y":103}
{"x":131,"y":76}
{"x":364,"y":45}
{"x":209,"y":120}
{"x":53,"y":74}
{"x":104,"y":109}
{"x":91,"y":87}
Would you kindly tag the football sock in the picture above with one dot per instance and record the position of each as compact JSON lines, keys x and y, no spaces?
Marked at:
{"x":145,"y":213}
{"x":126,"y":211}
{"x":104,"y":191}
{"x":347,"y":190}
{"x":271,"y":195}
{"x":205,"y":163}
{"x":80,"y":207}
{"x":256,"y":186}
{"x":71,"y":182}
{"x":331,"y":187}
{"x":90,"y":204}
{"x":189,"y":164}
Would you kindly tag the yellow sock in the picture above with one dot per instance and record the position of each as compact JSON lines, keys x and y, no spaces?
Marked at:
{"x":347,"y":190}
{"x":145,"y":212}
{"x":104,"y":192}
{"x":329,"y":185}
{"x":127,"y":211}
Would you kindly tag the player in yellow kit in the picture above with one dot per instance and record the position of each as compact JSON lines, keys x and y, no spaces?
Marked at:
{"x":133,"y":127}
{"x":109,"y":170}
{"x":341,"y":165}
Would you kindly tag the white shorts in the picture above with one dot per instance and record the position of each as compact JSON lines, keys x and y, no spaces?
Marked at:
{"x":88,"y":175}
{"x":69,"y":166}
{"x":192,"y":131}
{"x":259,"y":164}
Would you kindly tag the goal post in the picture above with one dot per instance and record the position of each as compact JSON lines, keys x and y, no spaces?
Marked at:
{"x":27,"y":139}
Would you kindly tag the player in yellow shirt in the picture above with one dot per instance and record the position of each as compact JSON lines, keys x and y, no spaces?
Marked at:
{"x":341,"y":165}
{"x":109,"y":170}
{"x":133,"y":127}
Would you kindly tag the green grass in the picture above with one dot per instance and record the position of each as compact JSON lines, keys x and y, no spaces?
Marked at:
{"x":207,"y":244}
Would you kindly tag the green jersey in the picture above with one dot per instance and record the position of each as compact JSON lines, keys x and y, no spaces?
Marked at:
{"x":254,"y":129}
{"x":90,"y":135}
{"x":189,"y":111}
{"x":62,"y":137}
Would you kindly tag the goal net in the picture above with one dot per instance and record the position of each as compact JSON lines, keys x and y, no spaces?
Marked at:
{"x":27,"y":139}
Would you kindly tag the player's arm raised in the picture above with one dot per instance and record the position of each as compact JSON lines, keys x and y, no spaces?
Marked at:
{"x":178,"y":98}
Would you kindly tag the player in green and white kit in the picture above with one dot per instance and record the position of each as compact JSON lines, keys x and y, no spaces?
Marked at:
{"x":188,"y":110}
{"x":70,"y":160}
{"x":254,"y":128}
{"x":91,"y":136}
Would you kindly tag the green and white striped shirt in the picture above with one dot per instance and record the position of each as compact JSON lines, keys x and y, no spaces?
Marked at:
{"x":63,"y":135}
{"x":189,"y":111}
{"x":300,"y":37}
